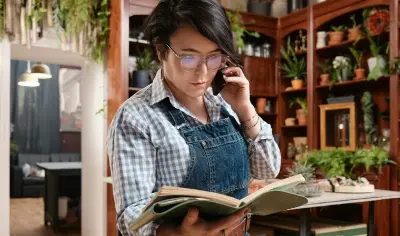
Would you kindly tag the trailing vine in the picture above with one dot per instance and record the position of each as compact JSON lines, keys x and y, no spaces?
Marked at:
{"x":100,"y":19}
{"x":2,"y":22}
{"x":38,"y":12}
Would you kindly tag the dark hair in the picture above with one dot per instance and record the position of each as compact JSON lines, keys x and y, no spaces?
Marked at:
{"x":207,"y":16}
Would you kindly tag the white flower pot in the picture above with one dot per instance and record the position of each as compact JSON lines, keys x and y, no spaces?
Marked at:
{"x":321,"y":39}
{"x":374,"y":61}
{"x":279,"y":8}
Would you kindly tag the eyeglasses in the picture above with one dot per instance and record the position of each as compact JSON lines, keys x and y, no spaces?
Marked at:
{"x":191,"y":62}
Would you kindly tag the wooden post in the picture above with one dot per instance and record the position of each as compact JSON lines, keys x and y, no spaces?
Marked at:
{"x":117,"y":82}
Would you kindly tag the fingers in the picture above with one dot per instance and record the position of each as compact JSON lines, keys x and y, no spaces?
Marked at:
{"x":242,"y":82}
{"x":233,"y":71}
{"x":191,"y":217}
{"x":226,"y":222}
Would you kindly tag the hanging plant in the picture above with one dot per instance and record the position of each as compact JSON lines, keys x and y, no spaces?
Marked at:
{"x":37,"y":14}
{"x":2,"y":22}
{"x":100,"y":19}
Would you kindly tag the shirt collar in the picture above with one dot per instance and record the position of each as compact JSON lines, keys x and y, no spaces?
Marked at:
{"x":160,"y":91}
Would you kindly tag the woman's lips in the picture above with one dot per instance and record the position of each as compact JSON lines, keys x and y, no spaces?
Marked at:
{"x":198,"y":83}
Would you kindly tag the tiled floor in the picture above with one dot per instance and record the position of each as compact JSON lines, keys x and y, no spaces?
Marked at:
{"x":26,"y":219}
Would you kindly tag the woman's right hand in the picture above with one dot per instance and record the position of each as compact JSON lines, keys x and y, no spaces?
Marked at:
{"x":192,"y":225}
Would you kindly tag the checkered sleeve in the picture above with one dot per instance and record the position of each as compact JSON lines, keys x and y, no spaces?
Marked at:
{"x":264,"y":152}
{"x":132,"y":161}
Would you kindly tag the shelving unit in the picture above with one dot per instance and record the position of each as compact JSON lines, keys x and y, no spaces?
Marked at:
{"x":267,"y":81}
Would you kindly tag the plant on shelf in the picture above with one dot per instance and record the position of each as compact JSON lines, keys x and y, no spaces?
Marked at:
{"x":294,"y":68}
{"x":141,"y":76}
{"x":342,"y":69}
{"x":325,"y":69}
{"x":376,"y":22}
{"x":355,"y":30}
{"x":301,"y":111}
{"x":358,"y":55}
{"x":238,"y":29}
{"x":394,"y":65}
{"x":368,"y":115}
{"x":336,"y":35}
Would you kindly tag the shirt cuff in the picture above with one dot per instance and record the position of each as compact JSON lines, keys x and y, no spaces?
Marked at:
{"x":265,"y":132}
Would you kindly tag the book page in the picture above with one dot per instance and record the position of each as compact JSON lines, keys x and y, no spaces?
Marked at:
{"x":279,"y":185}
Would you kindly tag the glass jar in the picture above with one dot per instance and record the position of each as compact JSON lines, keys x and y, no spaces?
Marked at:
{"x":266,"y":50}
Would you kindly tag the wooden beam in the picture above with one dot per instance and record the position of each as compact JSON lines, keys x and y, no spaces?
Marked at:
{"x":117,"y":82}
{"x":394,"y":115}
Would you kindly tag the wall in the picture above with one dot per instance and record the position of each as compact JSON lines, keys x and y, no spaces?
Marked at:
{"x":93,"y":151}
{"x":5,"y":137}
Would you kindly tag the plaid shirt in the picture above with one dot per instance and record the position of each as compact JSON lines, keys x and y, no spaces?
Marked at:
{"x":146,"y":151}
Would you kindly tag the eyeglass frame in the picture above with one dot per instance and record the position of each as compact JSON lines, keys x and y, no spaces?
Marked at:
{"x":202,"y":59}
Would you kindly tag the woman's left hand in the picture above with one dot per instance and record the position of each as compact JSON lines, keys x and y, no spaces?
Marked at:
{"x":237,"y":91}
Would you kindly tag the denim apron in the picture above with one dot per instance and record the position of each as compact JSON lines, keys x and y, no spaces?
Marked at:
{"x":219,"y":159}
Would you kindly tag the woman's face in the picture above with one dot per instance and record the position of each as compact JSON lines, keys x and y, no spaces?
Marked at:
{"x":186,"y":41}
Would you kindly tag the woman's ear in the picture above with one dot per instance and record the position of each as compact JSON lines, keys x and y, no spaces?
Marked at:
{"x":160,"y":49}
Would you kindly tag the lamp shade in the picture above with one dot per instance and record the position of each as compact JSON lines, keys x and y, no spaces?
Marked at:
{"x":42,"y":71}
{"x":28,"y":80}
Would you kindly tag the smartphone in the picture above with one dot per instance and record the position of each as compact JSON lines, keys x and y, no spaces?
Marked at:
{"x":218,"y":83}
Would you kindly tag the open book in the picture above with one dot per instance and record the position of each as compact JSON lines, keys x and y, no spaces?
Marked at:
{"x":172,"y":203}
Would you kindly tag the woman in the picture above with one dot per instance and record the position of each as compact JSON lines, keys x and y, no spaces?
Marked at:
{"x":176,"y":132}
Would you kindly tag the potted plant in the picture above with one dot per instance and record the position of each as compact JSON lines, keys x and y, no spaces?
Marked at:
{"x":394,"y":65}
{"x":359,"y":71}
{"x":262,"y":7}
{"x":341,"y":69}
{"x":355,"y":30}
{"x":367,"y":106}
{"x":310,"y":188}
{"x":294,"y":68}
{"x":238,"y":29}
{"x":330,"y":162}
{"x":375,"y":157}
{"x":336,"y":35}
{"x":141,"y":76}
{"x":301,"y":112}
{"x":325,"y":68}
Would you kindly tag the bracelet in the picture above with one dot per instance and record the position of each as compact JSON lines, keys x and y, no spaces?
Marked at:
{"x":245,"y":121}
{"x":245,"y":128}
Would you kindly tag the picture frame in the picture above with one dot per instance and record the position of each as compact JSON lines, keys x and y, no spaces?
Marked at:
{"x":338,"y":127}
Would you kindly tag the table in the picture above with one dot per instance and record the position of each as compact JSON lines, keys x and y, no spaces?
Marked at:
{"x":331,"y":199}
{"x":61,"y":179}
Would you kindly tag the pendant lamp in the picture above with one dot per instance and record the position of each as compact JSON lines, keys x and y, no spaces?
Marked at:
{"x":42,"y":71}
{"x":28,"y":79}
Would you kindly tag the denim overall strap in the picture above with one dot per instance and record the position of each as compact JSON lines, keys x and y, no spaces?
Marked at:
{"x":218,"y":155}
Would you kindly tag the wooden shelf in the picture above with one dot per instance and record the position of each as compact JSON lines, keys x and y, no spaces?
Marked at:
{"x":259,"y":58}
{"x":353,"y":82}
{"x":134,"y":89}
{"x":294,"y":126}
{"x":295,"y":91}
{"x":363,"y":42}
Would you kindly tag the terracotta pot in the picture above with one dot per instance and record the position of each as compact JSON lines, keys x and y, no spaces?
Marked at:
{"x":260,"y":105}
{"x":290,"y":121}
{"x":360,"y":74}
{"x":324,"y":79}
{"x":297,"y":83}
{"x":301,"y":117}
{"x":335,"y":37}
{"x":354,"y":33}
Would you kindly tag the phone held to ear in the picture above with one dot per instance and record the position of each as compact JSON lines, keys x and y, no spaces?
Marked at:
{"x":218,"y":83}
